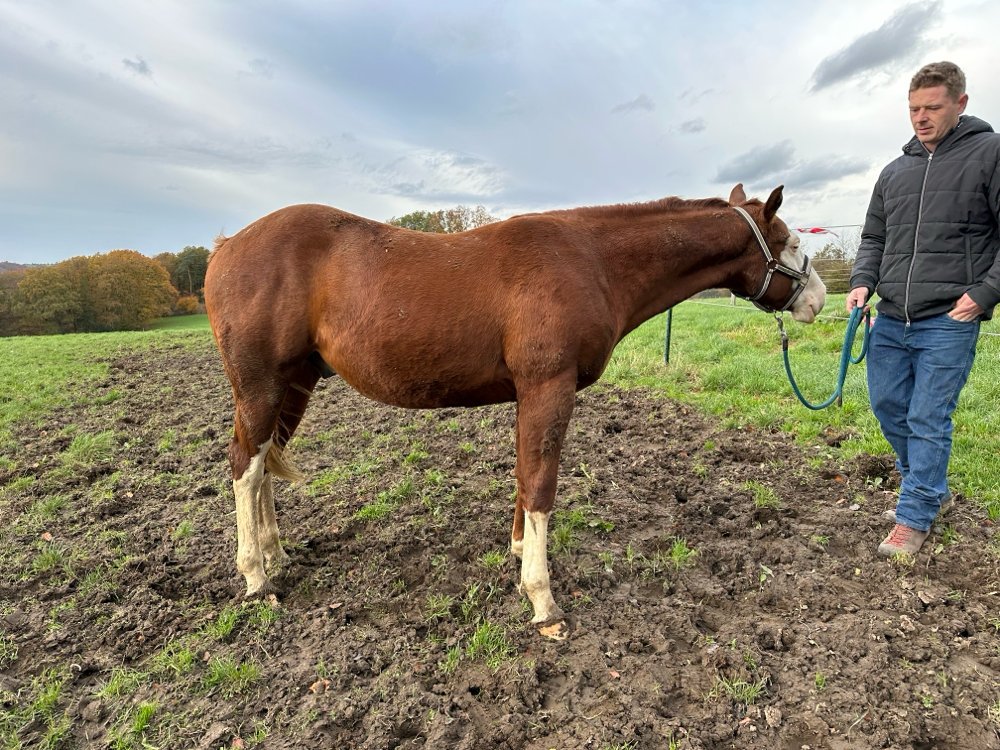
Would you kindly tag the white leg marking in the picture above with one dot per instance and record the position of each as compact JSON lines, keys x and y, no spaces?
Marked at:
{"x":248,"y":556}
{"x":517,"y":547}
{"x":267,"y":524}
{"x":535,"y":567}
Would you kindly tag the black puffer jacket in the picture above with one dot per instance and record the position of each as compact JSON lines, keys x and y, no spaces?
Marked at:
{"x":931,"y":234}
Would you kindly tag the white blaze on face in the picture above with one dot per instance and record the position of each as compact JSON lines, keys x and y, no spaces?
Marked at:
{"x":813,"y":297}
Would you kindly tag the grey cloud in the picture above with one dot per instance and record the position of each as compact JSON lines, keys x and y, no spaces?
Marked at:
{"x":894,"y":43}
{"x":820,"y":171}
{"x":138,"y":66}
{"x":642,"y":102}
{"x":777,"y":163}
{"x":757,"y":163}
{"x":224,"y":151}
{"x":692,"y":126}
{"x":692,"y":97}
{"x":259,"y":68}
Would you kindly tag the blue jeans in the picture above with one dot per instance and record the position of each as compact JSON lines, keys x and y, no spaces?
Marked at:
{"x":915,"y":373}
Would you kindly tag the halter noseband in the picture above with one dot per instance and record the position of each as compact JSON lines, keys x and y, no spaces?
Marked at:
{"x":802,"y":277}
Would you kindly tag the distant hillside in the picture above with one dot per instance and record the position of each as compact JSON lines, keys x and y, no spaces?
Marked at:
{"x":8,"y":266}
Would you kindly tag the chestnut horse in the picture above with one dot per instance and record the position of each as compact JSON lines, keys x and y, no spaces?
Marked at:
{"x":527,"y":310}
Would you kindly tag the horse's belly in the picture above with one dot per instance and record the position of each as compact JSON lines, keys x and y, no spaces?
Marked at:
{"x":428,"y":393}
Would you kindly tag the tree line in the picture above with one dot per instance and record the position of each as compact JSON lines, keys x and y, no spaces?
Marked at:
{"x":120,"y":290}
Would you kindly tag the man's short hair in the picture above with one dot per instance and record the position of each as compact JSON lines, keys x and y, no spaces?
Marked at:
{"x":945,"y":74}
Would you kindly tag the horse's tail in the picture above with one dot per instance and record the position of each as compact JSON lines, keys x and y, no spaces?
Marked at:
{"x":278,"y":461}
{"x":220,"y":240}
{"x":280,"y":464}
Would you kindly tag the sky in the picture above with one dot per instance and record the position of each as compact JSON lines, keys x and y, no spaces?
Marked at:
{"x":156,"y":125}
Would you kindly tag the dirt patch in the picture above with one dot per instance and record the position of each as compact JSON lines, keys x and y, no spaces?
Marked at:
{"x":400,"y":624}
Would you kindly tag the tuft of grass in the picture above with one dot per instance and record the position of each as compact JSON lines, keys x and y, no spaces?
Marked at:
{"x":51,"y":556}
{"x":763,"y":496}
{"x":123,"y":681}
{"x":608,"y":559}
{"x":451,"y":659}
{"x":416,"y":454}
{"x":821,"y":539}
{"x":493,"y":560}
{"x":184,"y":530}
{"x":490,"y":643}
{"x":175,"y":659}
{"x":167,"y":441}
{"x":223,"y":625}
{"x":19,"y":485}
{"x":386,"y":501}
{"x":48,"y":507}
{"x":8,"y":650}
{"x":949,"y":535}
{"x":438,"y":606}
{"x":820,"y":681}
{"x":232,"y":679}
{"x":261,"y":615}
{"x":680,"y":555}
{"x":89,"y":449}
{"x":739,"y":689}
{"x":143,"y":717}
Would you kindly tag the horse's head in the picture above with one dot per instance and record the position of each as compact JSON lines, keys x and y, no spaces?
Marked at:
{"x":779,"y":276}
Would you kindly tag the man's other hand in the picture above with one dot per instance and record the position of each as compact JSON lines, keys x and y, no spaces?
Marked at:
{"x":964,"y":310}
{"x":857,"y":298}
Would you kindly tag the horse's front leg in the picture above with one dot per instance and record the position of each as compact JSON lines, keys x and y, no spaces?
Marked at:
{"x":543,"y":412}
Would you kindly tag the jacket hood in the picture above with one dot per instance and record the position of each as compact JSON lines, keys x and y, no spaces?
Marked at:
{"x":967,"y":126}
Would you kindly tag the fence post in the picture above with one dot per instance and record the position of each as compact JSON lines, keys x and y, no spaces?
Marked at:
{"x":666,"y":344}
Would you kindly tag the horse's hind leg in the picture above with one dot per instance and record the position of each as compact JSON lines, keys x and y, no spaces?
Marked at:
{"x":292,"y":410}
{"x":247,"y":486}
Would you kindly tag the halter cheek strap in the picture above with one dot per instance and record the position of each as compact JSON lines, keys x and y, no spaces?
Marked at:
{"x":802,"y":277}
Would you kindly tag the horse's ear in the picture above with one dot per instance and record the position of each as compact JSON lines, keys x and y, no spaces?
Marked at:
{"x":737,"y":197}
{"x":773,"y":204}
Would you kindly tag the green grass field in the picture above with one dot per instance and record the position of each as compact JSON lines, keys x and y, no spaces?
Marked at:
{"x":181,"y":323}
{"x":724,"y":360}
{"x":727,"y":361}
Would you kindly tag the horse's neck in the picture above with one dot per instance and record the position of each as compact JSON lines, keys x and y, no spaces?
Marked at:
{"x":656,"y":262}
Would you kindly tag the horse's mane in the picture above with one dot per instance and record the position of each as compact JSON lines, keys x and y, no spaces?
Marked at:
{"x":626,"y":210}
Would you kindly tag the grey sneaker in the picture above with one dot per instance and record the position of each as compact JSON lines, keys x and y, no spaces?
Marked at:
{"x":946,"y":506}
{"x":902,"y":539}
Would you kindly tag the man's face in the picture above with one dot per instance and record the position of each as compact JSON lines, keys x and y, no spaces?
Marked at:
{"x":933,"y":113}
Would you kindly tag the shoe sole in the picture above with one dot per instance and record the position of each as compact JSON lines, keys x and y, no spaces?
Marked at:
{"x":889,"y":516}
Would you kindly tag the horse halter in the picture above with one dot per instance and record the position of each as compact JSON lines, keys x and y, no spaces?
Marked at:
{"x":773,"y":265}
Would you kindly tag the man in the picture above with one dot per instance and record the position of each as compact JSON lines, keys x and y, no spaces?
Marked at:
{"x":930,"y":247}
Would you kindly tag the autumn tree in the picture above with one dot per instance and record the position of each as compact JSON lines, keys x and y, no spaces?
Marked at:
{"x":129,"y":289}
{"x":48,"y":301}
{"x":169,"y":262}
{"x":445,"y":221}
{"x":192,"y":263}
{"x":8,"y":291}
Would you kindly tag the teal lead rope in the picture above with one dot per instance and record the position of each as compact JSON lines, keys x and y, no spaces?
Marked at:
{"x":845,"y":356}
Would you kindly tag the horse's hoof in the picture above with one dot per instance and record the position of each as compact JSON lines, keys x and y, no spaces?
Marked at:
{"x":517,"y":549}
{"x":263,"y":592}
{"x":557,"y":632}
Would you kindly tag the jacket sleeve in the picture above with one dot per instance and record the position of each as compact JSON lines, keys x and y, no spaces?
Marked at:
{"x":986,"y":294}
{"x":865,"y":271}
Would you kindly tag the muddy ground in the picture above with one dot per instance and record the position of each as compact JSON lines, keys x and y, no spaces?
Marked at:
{"x":123,"y":623}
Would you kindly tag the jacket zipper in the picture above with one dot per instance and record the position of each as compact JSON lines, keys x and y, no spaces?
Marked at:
{"x":916,"y":233}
